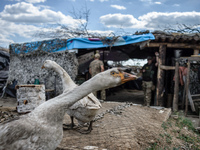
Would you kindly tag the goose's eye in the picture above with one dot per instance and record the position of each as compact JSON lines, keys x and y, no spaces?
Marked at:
{"x":112,"y":73}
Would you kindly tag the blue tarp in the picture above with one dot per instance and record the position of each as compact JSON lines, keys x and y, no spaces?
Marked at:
{"x":83,"y":43}
{"x":56,"y":45}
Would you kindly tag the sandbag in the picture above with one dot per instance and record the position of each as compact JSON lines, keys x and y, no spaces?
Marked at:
{"x":3,"y":74}
{"x":4,"y":54}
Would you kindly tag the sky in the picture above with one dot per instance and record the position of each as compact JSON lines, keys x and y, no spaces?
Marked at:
{"x":21,"y":20}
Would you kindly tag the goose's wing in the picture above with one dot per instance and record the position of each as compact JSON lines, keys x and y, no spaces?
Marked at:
{"x":15,"y":132}
{"x":89,"y":102}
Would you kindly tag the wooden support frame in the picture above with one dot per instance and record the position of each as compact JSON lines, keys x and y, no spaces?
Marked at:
{"x":187,"y":87}
{"x":176,"y":87}
{"x":160,"y":74}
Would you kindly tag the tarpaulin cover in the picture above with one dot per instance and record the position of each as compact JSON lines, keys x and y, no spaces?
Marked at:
{"x":83,"y":43}
{"x":56,"y":45}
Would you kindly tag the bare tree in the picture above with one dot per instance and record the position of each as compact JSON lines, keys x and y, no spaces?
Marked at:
{"x":64,"y":31}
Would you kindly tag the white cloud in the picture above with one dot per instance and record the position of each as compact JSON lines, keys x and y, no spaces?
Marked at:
{"x":28,"y":13}
{"x":152,"y":20}
{"x":35,"y":1}
{"x":151,"y":2}
{"x":119,"y":20}
{"x":118,"y":7}
{"x":148,"y":1}
{"x":102,"y":33}
{"x":103,"y":0}
{"x":30,"y":1}
{"x":24,"y":20}
{"x":158,"y":3}
{"x":9,"y":29}
{"x":14,"y":0}
{"x":159,"y":19}
{"x":176,"y":5}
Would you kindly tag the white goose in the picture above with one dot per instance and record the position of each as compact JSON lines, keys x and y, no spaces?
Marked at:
{"x":42,"y":128}
{"x":84,"y":110}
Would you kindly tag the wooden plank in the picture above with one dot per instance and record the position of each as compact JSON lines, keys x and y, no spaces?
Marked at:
{"x":195,"y":95}
{"x":8,"y":108}
{"x":196,"y":100}
{"x":176,"y":87}
{"x":167,"y":67}
{"x":168,"y":114}
{"x":194,"y":58}
{"x":189,"y":95}
{"x":195,"y":55}
{"x":28,"y":85}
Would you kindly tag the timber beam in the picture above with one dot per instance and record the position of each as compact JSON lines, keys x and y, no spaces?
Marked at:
{"x":167,"y":67}
{"x":174,"y":45}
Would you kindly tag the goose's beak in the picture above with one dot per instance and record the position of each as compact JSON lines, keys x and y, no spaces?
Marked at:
{"x":125,"y":77}
{"x":43,"y":67}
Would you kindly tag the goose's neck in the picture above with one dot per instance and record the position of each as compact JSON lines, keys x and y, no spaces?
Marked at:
{"x":67,"y":82}
{"x":79,"y":92}
{"x":54,"y":109}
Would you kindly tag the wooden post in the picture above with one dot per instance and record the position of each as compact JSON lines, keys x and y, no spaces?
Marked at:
{"x":187,"y":88}
{"x":160,"y":75}
{"x":176,"y":87}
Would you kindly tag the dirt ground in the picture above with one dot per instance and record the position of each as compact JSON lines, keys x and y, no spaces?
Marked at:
{"x":127,"y":126}
{"x":121,"y":126}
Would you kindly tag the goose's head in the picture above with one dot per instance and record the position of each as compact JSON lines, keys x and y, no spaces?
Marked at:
{"x":48,"y":64}
{"x":113,"y":77}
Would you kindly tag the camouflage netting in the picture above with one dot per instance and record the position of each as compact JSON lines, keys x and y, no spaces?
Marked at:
{"x":47,"y":46}
{"x":25,"y":68}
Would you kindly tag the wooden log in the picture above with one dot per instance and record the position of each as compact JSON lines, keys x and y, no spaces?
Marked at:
{"x":177,"y":38}
{"x":167,"y":67}
{"x":187,"y":88}
{"x":171,"y":38}
{"x":163,"y":38}
{"x":176,"y":87}
{"x":160,"y":75}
